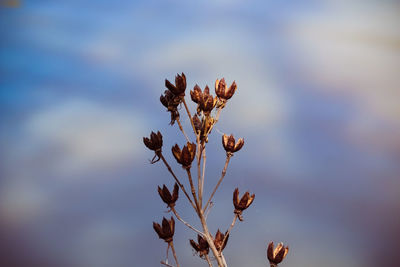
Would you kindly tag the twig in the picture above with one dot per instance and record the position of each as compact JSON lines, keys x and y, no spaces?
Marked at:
{"x":230,"y":228}
{"x":183,"y":131}
{"x":202,"y":178}
{"x":174,"y":253}
{"x":185,"y":223}
{"x":190,"y":117}
{"x":177,"y":180}
{"x":197,"y":209}
{"x":208,"y":210}
{"x":208,"y":260}
{"x":228,"y":157}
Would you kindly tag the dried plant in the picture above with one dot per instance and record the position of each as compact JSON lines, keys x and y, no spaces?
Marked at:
{"x":194,"y":153}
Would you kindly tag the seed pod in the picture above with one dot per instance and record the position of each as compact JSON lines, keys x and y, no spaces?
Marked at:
{"x":180,"y":85}
{"x":201,"y":247}
{"x":243,"y":203}
{"x":222,"y":91}
{"x":155,"y":141}
{"x":166,"y":231}
{"x":219,"y":240}
{"x":186,"y":155}
{"x":205,"y":101}
{"x":167,"y":197}
{"x":229,"y":143}
{"x":275,"y":256}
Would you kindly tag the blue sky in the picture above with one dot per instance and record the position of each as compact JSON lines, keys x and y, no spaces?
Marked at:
{"x":317,"y":104}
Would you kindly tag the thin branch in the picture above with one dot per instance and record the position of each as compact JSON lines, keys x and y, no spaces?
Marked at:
{"x":228,"y":157}
{"x":177,"y":180}
{"x":174,"y":253}
{"x":197,"y":209}
{"x":208,"y":210}
{"x":208,"y":260}
{"x":230,"y":228}
{"x":202,"y":178}
{"x":183,"y":131}
{"x":185,"y":223}
{"x":190,"y":118}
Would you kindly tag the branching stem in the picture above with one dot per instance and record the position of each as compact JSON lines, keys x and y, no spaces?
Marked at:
{"x":183,"y":131}
{"x":174,"y":253}
{"x":228,"y":157}
{"x":185,"y":223}
{"x":177,"y":180}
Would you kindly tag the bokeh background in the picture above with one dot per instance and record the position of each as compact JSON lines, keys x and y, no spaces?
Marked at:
{"x":317,"y":102}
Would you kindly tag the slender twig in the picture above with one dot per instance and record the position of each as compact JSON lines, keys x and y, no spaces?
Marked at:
{"x":202,"y":178}
{"x":183,"y":131}
{"x":190,"y":117}
{"x":223,"y":260}
{"x":197,"y":209}
{"x":230,"y":228}
{"x":208,"y":260}
{"x":200,"y":151}
{"x":174,"y":253}
{"x":185,"y":223}
{"x":208,"y":210}
{"x":177,"y":180}
{"x":210,"y":240}
{"x":228,"y":157}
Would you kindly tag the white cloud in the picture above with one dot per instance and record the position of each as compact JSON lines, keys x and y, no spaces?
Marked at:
{"x":84,"y":135}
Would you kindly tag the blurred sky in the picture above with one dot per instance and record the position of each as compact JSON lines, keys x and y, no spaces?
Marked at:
{"x":317,"y":103}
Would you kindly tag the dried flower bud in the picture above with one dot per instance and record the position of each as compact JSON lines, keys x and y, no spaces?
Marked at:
{"x":205,"y":101}
{"x":171,"y":102}
{"x":198,"y":125}
{"x":229,"y":143}
{"x":243,"y":203}
{"x":155,"y":141}
{"x":166,"y":231}
{"x":201,"y":247}
{"x":167,"y":197}
{"x":180,"y":85}
{"x":275,"y":256}
{"x":222,"y":91}
{"x":186,"y":155}
{"x":203,"y":127}
{"x":220,"y":240}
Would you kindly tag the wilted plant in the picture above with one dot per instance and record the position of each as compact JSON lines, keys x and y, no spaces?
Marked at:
{"x":194,"y":153}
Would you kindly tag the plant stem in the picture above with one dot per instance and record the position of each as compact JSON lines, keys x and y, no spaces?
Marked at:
{"x":185,"y":223}
{"x":228,"y":157}
{"x":202,"y":178}
{"x":183,"y":131}
{"x":177,"y":180}
{"x":174,"y":253}
{"x":210,"y":241}
{"x":190,"y":118}
{"x":230,"y":228}
{"x":208,"y":260}
{"x":197,"y":209}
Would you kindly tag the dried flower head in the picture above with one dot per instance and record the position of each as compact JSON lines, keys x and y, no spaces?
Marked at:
{"x":220,"y":240}
{"x":223,"y":92}
{"x":180,"y":85}
{"x":167,"y":197}
{"x":201,"y":247}
{"x":166,"y":231}
{"x":205,"y":101}
{"x":229,"y":143}
{"x":154,"y":143}
{"x":203,"y":127}
{"x":243,"y":203}
{"x":171,"y":102}
{"x":186,"y":155}
{"x":275,"y":256}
